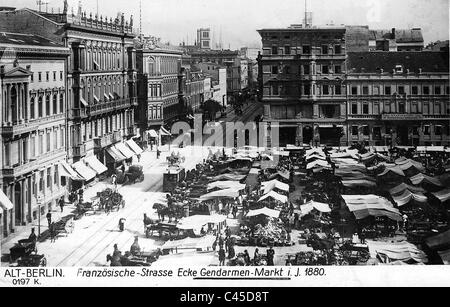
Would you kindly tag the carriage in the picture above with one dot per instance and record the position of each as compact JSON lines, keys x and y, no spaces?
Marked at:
{"x":32,"y":260}
{"x":22,"y":248}
{"x":110,"y":200}
{"x":354,"y":253}
{"x":65,"y":226}
{"x":134,"y":174}
{"x":172,"y":177}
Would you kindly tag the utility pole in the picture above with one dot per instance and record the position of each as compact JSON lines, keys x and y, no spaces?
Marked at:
{"x":140,"y":18}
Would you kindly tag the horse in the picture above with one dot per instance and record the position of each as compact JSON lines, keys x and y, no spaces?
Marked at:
{"x":115,"y":259}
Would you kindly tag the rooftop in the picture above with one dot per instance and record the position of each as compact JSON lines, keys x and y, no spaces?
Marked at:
{"x":401,"y":35}
{"x":373,"y":62}
{"x":26,"y":40}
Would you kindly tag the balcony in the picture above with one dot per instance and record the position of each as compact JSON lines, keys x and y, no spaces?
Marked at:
{"x":9,"y":130}
{"x":134,"y":102}
{"x":11,"y":172}
{"x":77,"y":113}
{"x":108,"y":106}
{"x":401,"y":116}
{"x":107,"y":140}
{"x":78,"y":151}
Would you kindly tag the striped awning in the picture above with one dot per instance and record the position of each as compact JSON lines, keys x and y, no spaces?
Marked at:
{"x":115,"y":154}
{"x":134,"y":147}
{"x":124,"y":150}
{"x":85,"y":171}
{"x":95,"y":164}
{"x":65,"y":170}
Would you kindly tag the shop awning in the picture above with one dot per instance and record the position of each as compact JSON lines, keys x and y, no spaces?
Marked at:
{"x":403,"y":186}
{"x":274,"y":195}
{"x":270,"y":185}
{"x":407,"y":196}
{"x":309,"y":206}
{"x":163,"y":131}
{"x":5,"y":203}
{"x":318,"y":163}
{"x":422,"y":178}
{"x":124,"y":150}
{"x":443,"y":195}
{"x":95,"y":164}
{"x":264,"y":211}
{"x":152,"y":133}
{"x":85,"y":171}
{"x":65,"y":170}
{"x":115,"y":154}
{"x":363,"y":206}
{"x":134,"y":147}
{"x":393,"y":170}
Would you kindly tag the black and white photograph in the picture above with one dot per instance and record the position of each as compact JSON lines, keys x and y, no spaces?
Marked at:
{"x":224,"y":142}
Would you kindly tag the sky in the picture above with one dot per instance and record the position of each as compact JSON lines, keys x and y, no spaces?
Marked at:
{"x":176,"y":21}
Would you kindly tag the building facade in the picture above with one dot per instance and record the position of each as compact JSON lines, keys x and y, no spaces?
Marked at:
{"x":33,"y":126}
{"x":101,"y":76}
{"x":218,"y":75}
{"x":159,"y":68}
{"x":398,"y":98}
{"x":191,"y":90}
{"x":204,"y":38}
{"x":301,"y":77}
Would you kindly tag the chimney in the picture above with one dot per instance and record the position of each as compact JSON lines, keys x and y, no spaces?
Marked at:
{"x":393,"y":33}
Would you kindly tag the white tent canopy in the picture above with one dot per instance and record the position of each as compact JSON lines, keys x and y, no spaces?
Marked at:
{"x":224,"y":185}
{"x":227,"y":193}
{"x":95,"y":164}
{"x":276,"y":196}
{"x":268,"y":186}
{"x":318,"y":163}
{"x":198,"y":221}
{"x":311,"y":205}
{"x":264,"y":211}
{"x":443,"y":195}
{"x":402,"y":251}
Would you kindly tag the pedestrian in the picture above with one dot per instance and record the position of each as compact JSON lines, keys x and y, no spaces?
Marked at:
{"x":114,"y":181}
{"x":49,"y":218}
{"x":221,"y":256}
{"x":122,"y":168}
{"x":61,"y":203}
{"x":256,"y":256}
{"x":135,"y":249}
{"x":246,"y":257}
{"x":231,"y":252}
{"x":363,"y":236}
{"x":158,"y":153}
{"x":52,"y":233}
{"x":139,"y":158}
{"x":80,"y":195}
{"x":151,"y":146}
{"x":270,"y":256}
{"x":32,"y":237}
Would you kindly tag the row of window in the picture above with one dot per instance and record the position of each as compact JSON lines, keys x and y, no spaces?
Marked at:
{"x":54,"y":104}
{"x":100,"y":127}
{"x":19,"y":151}
{"x":306,"y":69}
{"x":306,"y":49}
{"x":389,"y":107}
{"x":401,"y":90}
{"x":376,"y":131}
{"x":54,"y":75}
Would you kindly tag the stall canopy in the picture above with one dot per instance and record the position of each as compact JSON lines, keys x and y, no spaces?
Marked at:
{"x":407,"y":196}
{"x":152,"y":133}
{"x":228,"y":177}
{"x":363,"y":206}
{"x":223,"y":185}
{"x":5,"y":203}
{"x":403,"y":187}
{"x":274,"y":195}
{"x":124,"y":150}
{"x":270,"y":185}
{"x":163,"y":131}
{"x":443,"y":195}
{"x":392,"y":171}
{"x":318,"y":151}
{"x":408,"y":164}
{"x":115,"y":154}
{"x":439,"y":242}
{"x":228,"y":193}
{"x":315,"y":157}
{"x":422,"y":178}
{"x":95,"y":164}
{"x":134,"y":147}
{"x":190,"y":243}
{"x":343,"y":155}
{"x":397,"y":251}
{"x":311,"y":205}
{"x":85,"y":171}
{"x":65,"y":170}
{"x":198,"y":221}
{"x":264,"y":211}
{"x":318,"y":163}
{"x":355,"y":183}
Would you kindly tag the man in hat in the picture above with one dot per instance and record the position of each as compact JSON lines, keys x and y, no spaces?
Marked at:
{"x":49,"y":218}
{"x":270,"y":256}
{"x":32,"y":237}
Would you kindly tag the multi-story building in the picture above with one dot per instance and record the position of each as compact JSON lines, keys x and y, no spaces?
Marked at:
{"x":204,"y":38}
{"x":396,"y":40}
{"x":250,"y":53}
{"x":191,"y":90}
{"x":33,"y":126}
{"x":218,"y":75}
{"x":101,"y":77}
{"x":159,"y":68}
{"x":398,"y":98}
{"x":214,"y":56}
{"x":302,"y":73}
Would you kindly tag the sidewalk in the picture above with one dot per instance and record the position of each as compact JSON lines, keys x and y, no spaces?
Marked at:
{"x":148,"y":160}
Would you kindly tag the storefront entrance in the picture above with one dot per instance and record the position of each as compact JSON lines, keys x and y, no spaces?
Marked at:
{"x":402,"y":135}
{"x":329,"y":136}
{"x":307,"y":135}
{"x":287,"y":136}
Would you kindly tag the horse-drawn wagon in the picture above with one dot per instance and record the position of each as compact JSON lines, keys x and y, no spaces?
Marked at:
{"x":172,"y":177}
{"x":134,"y":174}
{"x":22,"y":248}
{"x":65,"y":226}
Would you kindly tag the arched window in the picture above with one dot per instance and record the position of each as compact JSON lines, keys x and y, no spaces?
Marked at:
{"x":61,"y":103}
{"x":47,"y":105}
{"x":40,"y":107}
{"x":55,"y":104}
{"x":32,"y":106}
